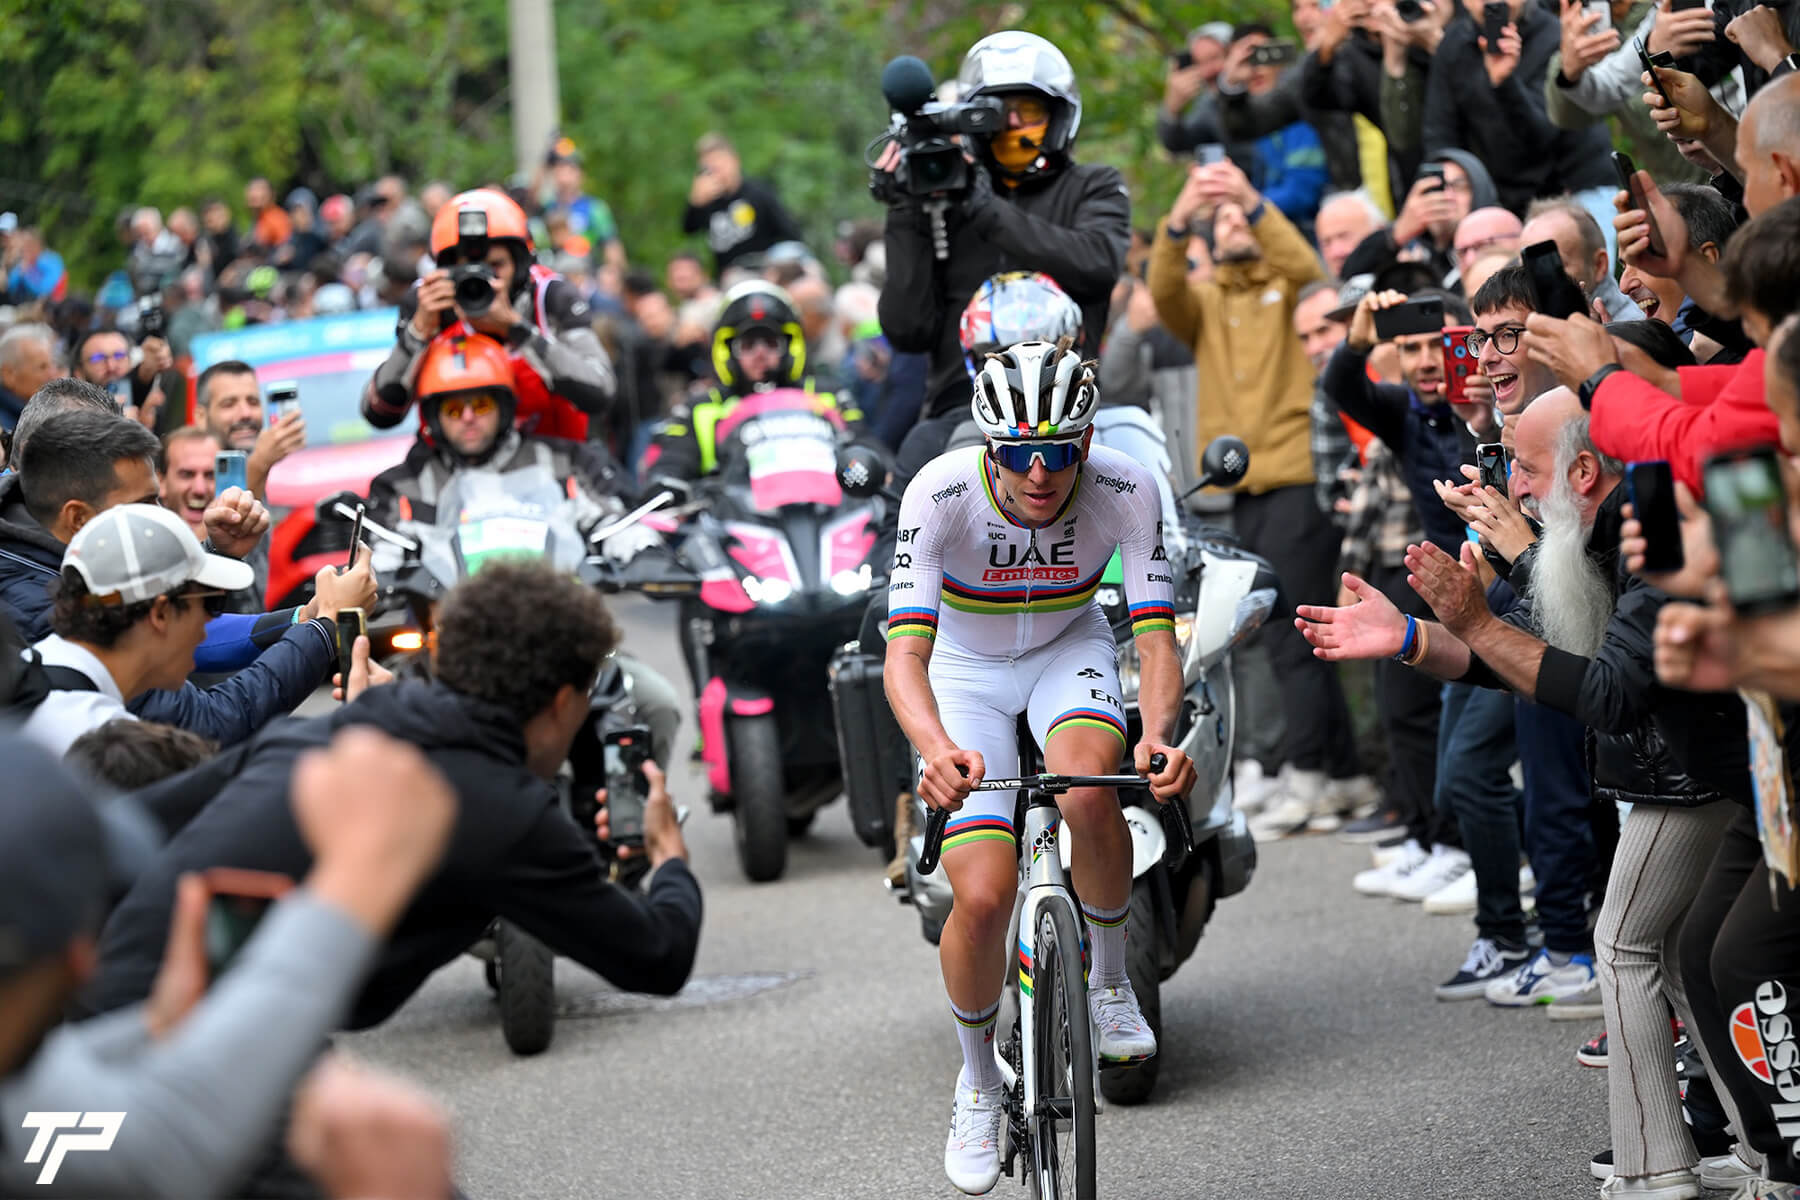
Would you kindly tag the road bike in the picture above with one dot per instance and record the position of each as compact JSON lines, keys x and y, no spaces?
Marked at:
{"x":1051,"y":1069}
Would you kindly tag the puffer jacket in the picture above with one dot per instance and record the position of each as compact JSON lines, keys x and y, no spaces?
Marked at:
{"x":1647,"y":744}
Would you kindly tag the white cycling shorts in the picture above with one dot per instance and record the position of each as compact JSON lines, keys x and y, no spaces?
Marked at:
{"x":1072,"y":681}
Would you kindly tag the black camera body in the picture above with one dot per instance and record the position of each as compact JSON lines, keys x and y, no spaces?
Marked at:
{"x":931,"y":162}
{"x":474,"y":283}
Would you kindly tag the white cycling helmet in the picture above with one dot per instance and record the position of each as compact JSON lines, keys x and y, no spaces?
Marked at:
{"x":1033,"y":391}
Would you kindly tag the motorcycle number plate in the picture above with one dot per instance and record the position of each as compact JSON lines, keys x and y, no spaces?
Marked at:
{"x":501,"y":537}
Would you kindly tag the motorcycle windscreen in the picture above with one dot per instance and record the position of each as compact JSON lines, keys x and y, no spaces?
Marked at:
{"x":789,"y":441}
{"x":507,"y":515}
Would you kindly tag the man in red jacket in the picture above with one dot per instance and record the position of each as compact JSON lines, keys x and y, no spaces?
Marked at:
{"x":1688,"y":414}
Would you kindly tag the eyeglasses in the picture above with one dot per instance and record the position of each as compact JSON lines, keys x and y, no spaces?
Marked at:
{"x":212,"y":602}
{"x":756,"y":339}
{"x":100,"y":356}
{"x":1477,"y":247}
{"x":1017,"y":457}
{"x":455,"y":408}
{"x":1505,"y":338}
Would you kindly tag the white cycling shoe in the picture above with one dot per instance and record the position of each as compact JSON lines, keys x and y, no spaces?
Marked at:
{"x":1121,"y":1033}
{"x":972,"y":1151}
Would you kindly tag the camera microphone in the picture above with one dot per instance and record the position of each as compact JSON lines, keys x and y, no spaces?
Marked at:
{"x":907,"y":84}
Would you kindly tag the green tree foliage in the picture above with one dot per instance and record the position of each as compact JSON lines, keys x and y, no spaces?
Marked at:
{"x":114,"y":103}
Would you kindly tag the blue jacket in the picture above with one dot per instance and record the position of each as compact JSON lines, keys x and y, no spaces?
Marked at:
{"x":1293,"y":174}
{"x":272,"y":681}
{"x":1428,"y":439}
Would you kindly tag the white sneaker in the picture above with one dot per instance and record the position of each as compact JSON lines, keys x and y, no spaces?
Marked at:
{"x":1443,"y":868}
{"x":1393,"y":852}
{"x":1121,"y":1033}
{"x":1527,"y":880}
{"x":1297,"y":806}
{"x":1251,"y":790}
{"x":1541,"y":982}
{"x":1381,"y":880}
{"x":1358,"y":796}
{"x":972,"y":1151}
{"x":1725,"y":1171}
{"x":1666,"y":1185}
{"x":1458,"y":897}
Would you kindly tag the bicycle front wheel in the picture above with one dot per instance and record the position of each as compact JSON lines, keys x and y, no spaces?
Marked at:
{"x":1062,"y":1130}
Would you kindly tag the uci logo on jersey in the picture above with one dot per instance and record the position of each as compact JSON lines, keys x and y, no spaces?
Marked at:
{"x":955,"y":489}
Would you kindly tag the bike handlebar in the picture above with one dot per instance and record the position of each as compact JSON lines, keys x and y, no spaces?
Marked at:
{"x":1054,"y":785}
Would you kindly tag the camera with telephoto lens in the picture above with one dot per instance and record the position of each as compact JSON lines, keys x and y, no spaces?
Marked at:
{"x":474,"y":283}
{"x":931,"y":162}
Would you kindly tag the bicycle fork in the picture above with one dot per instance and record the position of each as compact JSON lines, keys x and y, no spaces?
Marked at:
{"x":1041,"y":882}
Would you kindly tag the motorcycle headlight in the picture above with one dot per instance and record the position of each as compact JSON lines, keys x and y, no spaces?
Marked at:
{"x":849,"y":583}
{"x":767,"y":591}
{"x":1128,"y":671}
{"x":1184,"y":633}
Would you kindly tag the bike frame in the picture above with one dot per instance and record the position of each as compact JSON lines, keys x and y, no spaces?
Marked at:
{"x":1041,"y":882}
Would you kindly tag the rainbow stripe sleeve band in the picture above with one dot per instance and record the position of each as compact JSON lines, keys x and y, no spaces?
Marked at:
{"x":1152,"y":615}
{"x":912,"y":622}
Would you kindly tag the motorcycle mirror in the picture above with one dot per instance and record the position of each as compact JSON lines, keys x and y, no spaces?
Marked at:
{"x":862,"y":470}
{"x":326,"y":507}
{"x":1224,"y":461}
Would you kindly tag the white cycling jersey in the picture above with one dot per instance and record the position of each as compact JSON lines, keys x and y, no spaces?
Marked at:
{"x":965,"y":569}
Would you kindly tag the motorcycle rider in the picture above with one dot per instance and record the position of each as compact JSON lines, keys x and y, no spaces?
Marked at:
{"x":1010,"y":542}
{"x":561,"y":373}
{"x":464,"y":390}
{"x":758,"y":345}
{"x":1029,"y":207}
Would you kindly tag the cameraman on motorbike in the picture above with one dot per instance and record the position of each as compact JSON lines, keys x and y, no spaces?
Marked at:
{"x":465,"y":392}
{"x":758,"y":345}
{"x":1028,"y":207}
{"x":482,"y":245}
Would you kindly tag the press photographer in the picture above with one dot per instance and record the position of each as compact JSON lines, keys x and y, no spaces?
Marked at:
{"x":984,"y":186}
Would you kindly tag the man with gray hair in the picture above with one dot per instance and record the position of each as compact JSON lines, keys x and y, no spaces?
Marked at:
{"x":1584,"y":249}
{"x":27,"y":363}
{"x":1344,"y":220}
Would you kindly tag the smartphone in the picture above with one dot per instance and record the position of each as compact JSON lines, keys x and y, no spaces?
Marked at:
{"x":352,"y":623}
{"x":1277,"y":53}
{"x":355,"y":539}
{"x":1435,"y":173}
{"x":1627,"y":172}
{"x":1459,"y":364}
{"x":282,"y":399}
{"x":231,"y":469}
{"x":239,"y":900}
{"x":1650,"y":63}
{"x":1748,"y":507}
{"x":623,"y":755}
{"x":1183,"y":60}
{"x":1651,"y":489}
{"x":1556,"y":294}
{"x":1602,"y":8}
{"x":152,"y":321}
{"x":1684,"y":5}
{"x":1494,"y":20}
{"x":1208,"y":153}
{"x":1414,"y":316}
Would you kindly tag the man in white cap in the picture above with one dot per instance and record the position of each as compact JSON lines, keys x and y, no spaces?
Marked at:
{"x":136,"y":592}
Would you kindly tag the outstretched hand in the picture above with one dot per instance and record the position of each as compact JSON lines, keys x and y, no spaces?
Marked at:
{"x":1370,"y":628}
{"x":1451,"y":587}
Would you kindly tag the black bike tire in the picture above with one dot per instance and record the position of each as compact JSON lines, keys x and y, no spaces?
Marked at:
{"x":1056,"y":962}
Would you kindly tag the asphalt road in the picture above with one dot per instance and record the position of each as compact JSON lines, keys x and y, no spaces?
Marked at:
{"x":812,"y":1056}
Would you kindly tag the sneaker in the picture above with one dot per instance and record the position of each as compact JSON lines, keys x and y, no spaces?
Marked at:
{"x":1122,"y":1035}
{"x":1540,"y":981}
{"x":972,"y":1151}
{"x":1487,"y":962}
{"x":1601,"y":1165}
{"x":1593,"y":1051}
{"x":1527,"y":881}
{"x":1356,"y":798}
{"x":1284,"y":817}
{"x":1725,"y":1172}
{"x":1763,"y":1189}
{"x":1381,"y":880}
{"x":1443,"y":868}
{"x":1251,"y":790}
{"x":1391,"y":850}
{"x":1378,"y":827}
{"x":1299,"y":805}
{"x":1581,"y":1004}
{"x":1458,"y":897}
{"x":1664,"y":1185}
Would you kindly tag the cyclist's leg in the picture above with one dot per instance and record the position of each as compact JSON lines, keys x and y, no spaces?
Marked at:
{"x":1076,"y":715}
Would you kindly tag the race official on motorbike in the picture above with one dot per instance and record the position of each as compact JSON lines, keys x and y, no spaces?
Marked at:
{"x":561,"y":373}
{"x":1029,"y":207}
{"x":758,"y":345}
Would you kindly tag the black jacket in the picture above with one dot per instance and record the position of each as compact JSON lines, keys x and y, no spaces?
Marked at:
{"x":747,"y":221}
{"x":1429,"y":440}
{"x":1647,"y":744}
{"x":1715,"y":61}
{"x":1074,"y":226}
{"x":515,"y":853}
{"x":1246,"y":117}
{"x":1351,"y":83}
{"x":1509,"y":127}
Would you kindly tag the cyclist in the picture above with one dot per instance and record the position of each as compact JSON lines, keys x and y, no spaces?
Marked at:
{"x":1009,"y":541}
{"x":561,"y":374}
{"x":758,"y":345}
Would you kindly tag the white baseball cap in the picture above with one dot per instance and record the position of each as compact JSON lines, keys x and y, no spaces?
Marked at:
{"x":136,"y":552}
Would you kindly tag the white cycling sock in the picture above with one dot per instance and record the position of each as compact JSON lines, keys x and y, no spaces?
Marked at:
{"x":1106,"y":941}
{"x":976,"y":1033}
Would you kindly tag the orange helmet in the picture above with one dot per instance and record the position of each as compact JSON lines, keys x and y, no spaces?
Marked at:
{"x":456,"y":362}
{"x":483,"y":215}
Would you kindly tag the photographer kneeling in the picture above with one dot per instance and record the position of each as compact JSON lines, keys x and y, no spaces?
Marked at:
{"x":1021,"y":204}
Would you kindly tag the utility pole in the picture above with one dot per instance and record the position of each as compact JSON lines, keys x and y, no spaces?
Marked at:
{"x":536,"y":102}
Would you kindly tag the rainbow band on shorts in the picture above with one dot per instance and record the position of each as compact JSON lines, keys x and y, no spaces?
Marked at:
{"x":963,"y":831}
{"x":1152,"y":615}
{"x":1088,"y":718}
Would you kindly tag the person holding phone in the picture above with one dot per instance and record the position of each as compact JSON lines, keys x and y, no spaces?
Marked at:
{"x":1188,"y":115}
{"x":1289,"y":161}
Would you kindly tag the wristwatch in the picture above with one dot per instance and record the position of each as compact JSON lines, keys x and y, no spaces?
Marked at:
{"x":1590,"y":385}
{"x":1179,"y":233}
{"x":1786,"y":66}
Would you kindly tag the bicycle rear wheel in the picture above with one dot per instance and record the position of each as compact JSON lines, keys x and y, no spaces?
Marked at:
{"x":1062,"y":1130}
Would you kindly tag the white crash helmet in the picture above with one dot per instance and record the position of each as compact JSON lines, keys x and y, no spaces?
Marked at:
{"x":1035,"y":390}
